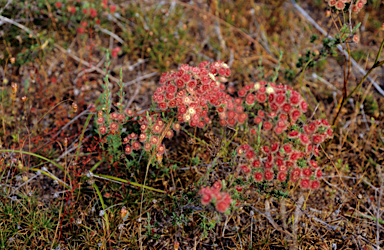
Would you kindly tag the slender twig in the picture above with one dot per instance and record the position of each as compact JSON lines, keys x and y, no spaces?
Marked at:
{"x":340,"y":48}
{"x":5,"y":19}
{"x":86,"y":63}
{"x":72,"y":121}
{"x":104,"y":212}
{"x":6,"y":6}
{"x":298,"y":211}
{"x":35,"y":155}
{"x":121,"y":181}
{"x":116,"y":37}
{"x":140,"y":78}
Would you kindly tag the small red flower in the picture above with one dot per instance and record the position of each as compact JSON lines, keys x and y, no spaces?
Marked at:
{"x":282,"y":176}
{"x":261,"y":97}
{"x":176,"y":127}
{"x":340,"y":5}
{"x":103,"y":130}
{"x":283,"y":117}
{"x":132,"y":136}
{"x":268,"y":175}
{"x":128,"y":149}
{"x":113,"y":126}
{"x":258,"y":120}
{"x":275,"y":147}
{"x":129,"y":112}
{"x":280,"y":99}
{"x":259,"y":177}
{"x":294,"y":99}
{"x":266,"y":149}
{"x":100,"y":120}
{"x":250,"y":99}
{"x":154,"y":140}
{"x":239,"y":188}
{"x":93,"y":12}
{"x":287,"y":148}
{"x":279,"y":162}
{"x":314,"y":184}
{"x":283,"y":168}
{"x":304,"y":184}
{"x":80,"y":30}
{"x":267,"y":125}
{"x":360,"y":4}
{"x":250,"y":154}
{"x":245,"y":169}
{"x":136,"y":145}
{"x":287,"y":108}
{"x":293,"y":134}
{"x":143,"y":137}
{"x":147,"y":147}
{"x":112,"y":8}
{"x":161,"y":149}
{"x":317,"y":139}
{"x":222,"y":206}
{"x":59,"y":5}
{"x":303,"y":106}
{"x":268,"y":165}
{"x":307,"y":172}
{"x":71,"y":9}
{"x":313,"y":164}
{"x":242,"y":92}
{"x":256,"y":164}
{"x":304,"y":139}
{"x":169,"y":134}
{"x":279,"y":130}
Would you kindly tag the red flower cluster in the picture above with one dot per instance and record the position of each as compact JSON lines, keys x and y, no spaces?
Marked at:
{"x":151,"y":128}
{"x":284,"y":106}
{"x":114,"y":120}
{"x":221,"y":200}
{"x":345,"y":4}
{"x":192,"y":91}
{"x":282,"y":153}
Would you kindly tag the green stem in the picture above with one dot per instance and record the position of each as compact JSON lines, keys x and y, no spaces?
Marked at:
{"x":128,"y":182}
{"x":375,"y":65}
{"x":358,"y":85}
{"x":191,"y":135}
{"x":102,"y":204}
{"x":372,"y":218}
{"x":95,"y":166}
{"x":50,"y":176}
{"x":233,"y":137}
{"x":378,"y":54}
{"x":38,"y":156}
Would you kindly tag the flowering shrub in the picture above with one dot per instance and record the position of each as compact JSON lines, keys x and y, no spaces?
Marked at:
{"x":281,"y":142}
{"x":284,"y":145}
